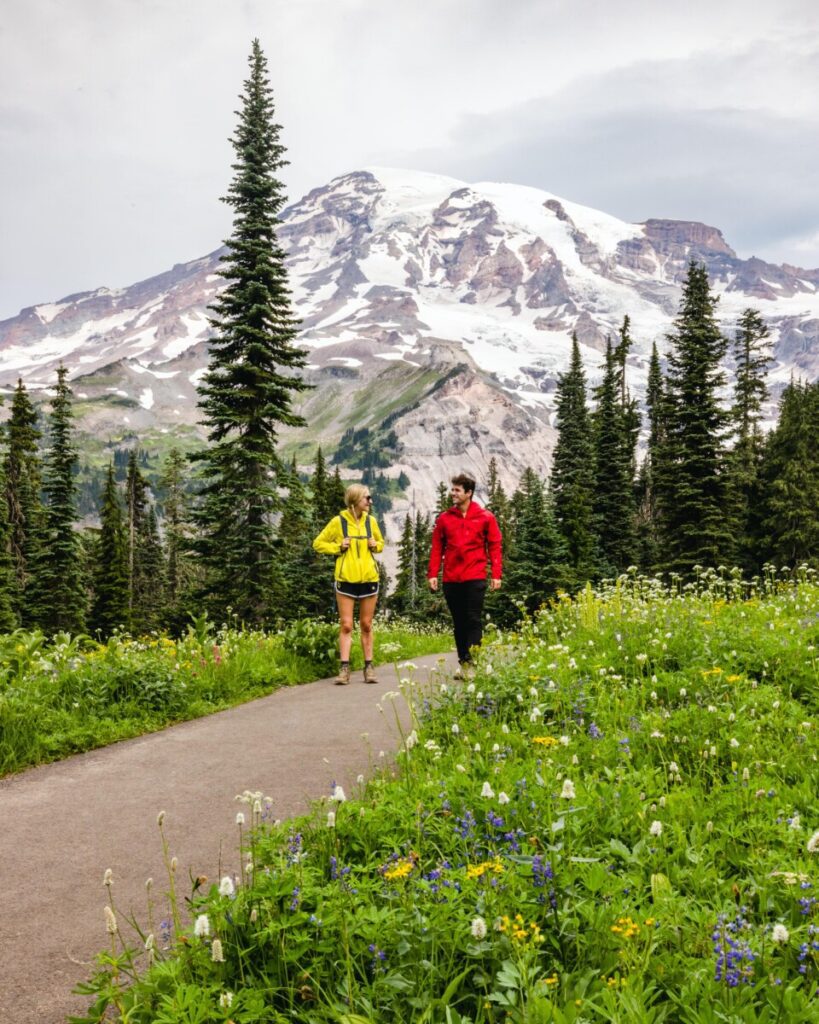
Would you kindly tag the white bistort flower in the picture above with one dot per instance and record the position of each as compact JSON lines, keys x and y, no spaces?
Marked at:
{"x":478,"y":928}
{"x":225,"y":999}
{"x":331,"y":819}
{"x":656,"y":828}
{"x":216,"y":952}
{"x":226,"y":886}
{"x":503,"y":798}
{"x":487,"y":792}
{"x":201,"y":927}
{"x":338,"y":794}
{"x":780,"y":934}
{"x":567,"y":793}
{"x":813,"y":843}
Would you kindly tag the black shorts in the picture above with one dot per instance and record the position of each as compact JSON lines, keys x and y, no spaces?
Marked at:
{"x":356,"y":590}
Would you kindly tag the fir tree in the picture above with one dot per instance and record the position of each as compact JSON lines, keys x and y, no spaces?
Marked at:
{"x":404,"y":597}
{"x":25,"y":511}
{"x":536,"y":566}
{"x":60,"y":572}
{"x":690,"y":484}
{"x":572,"y":482}
{"x":303,"y":578}
{"x":613,"y":495}
{"x":136,"y":504}
{"x":648,"y":540}
{"x":444,"y":501}
{"x":179,"y":570}
{"x":790,"y":475}
{"x":335,"y":494}
{"x":750,"y":393}
{"x":251,"y":381}
{"x":321,"y":486}
{"x":498,"y":503}
{"x":9,"y":598}
{"x":110,"y":606}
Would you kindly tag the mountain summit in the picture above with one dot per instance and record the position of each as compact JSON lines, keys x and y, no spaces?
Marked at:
{"x":437,"y":315}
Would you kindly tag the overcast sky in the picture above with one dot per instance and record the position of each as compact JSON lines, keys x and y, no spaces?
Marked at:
{"x":115,"y":116}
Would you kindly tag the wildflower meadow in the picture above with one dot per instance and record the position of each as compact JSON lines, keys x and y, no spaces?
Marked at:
{"x":74,"y":694}
{"x":615,"y":820}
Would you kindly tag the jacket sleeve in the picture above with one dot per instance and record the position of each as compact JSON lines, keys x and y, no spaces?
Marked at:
{"x":436,"y":552}
{"x":328,"y":541}
{"x":377,"y":537}
{"x":494,"y":542}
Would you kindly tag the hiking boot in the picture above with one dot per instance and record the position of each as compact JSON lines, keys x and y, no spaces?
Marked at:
{"x":369,"y":675}
{"x":343,"y":677}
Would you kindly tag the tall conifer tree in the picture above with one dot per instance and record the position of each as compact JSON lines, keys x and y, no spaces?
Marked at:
{"x":536,"y":565}
{"x":26,"y":514}
{"x":790,"y":475}
{"x":613,"y":497}
{"x":648,"y":532}
{"x":8,"y":577}
{"x":572,"y":481}
{"x":60,"y":569}
{"x":247,"y":392}
{"x":180,"y":571}
{"x":692,"y":494}
{"x":750,"y":393}
{"x":110,"y":607}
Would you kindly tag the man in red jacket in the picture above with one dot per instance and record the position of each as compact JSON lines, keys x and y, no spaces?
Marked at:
{"x":465,"y":536}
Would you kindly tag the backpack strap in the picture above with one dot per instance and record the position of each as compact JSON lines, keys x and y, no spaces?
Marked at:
{"x":367,"y":526}
{"x":344,"y":526}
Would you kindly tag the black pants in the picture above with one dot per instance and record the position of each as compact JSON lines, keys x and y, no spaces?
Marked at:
{"x":465,"y":602}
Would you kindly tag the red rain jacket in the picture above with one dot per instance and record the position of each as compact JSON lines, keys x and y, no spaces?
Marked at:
{"x":465,"y":543}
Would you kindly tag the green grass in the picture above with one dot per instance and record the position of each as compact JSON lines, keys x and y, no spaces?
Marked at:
{"x":616,"y":820}
{"x":75,"y":695}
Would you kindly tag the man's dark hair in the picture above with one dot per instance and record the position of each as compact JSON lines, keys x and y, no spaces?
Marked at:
{"x":462,"y":480}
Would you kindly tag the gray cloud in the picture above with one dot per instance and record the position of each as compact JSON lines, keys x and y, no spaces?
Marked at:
{"x":627,"y":143}
{"x":115,"y":115}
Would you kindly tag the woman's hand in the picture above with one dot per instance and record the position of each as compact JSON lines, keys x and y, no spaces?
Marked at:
{"x":345,"y":544}
{"x":372,"y":543}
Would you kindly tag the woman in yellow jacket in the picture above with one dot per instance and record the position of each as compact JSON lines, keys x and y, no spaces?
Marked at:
{"x":352,"y":536}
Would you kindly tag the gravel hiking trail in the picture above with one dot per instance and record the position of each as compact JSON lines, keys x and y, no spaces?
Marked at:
{"x":62,"y":825}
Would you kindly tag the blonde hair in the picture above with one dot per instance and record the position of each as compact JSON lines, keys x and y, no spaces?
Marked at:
{"x":354,"y":494}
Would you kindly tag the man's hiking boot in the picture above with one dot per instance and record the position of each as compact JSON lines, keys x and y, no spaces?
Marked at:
{"x":369,"y":675}
{"x":343,"y":677}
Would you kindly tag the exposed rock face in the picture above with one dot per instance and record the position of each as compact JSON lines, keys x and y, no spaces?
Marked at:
{"x":441,"y":309}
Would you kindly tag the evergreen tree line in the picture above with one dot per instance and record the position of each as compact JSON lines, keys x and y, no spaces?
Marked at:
{"x":711,"y":489}
{"x":128,"y":573}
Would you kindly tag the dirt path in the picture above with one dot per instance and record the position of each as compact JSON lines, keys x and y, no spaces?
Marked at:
{"x":62,"y":825}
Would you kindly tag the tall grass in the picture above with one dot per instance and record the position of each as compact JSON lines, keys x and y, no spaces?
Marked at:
{"x":73,"y":694}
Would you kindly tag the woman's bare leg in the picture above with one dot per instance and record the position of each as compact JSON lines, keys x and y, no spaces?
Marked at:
{"x":366,"y":610}
{"x":346,"y":606}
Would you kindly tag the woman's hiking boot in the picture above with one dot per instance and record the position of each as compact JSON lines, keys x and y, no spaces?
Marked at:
{"x":369,"y":674}
{"x":343,"y":677}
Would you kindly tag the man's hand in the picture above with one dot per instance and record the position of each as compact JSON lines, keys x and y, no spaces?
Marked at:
{"x":495,"y":585}
{"x":433,"y":583}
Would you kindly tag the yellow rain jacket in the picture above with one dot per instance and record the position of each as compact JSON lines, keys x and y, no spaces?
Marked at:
{"x":356,"y":564}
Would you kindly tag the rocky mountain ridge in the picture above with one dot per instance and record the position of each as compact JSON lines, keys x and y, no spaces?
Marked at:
{"x":433,"y":309}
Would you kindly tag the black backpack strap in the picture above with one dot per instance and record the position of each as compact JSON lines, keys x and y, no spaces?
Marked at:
{"x":368,"y":527}
{"x":344,"y":527}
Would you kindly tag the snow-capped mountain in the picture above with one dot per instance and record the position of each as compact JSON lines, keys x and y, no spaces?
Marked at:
{"x":431,"y":308}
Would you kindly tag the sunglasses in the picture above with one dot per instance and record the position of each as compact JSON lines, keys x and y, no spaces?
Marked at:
{"x":368,"y":497}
